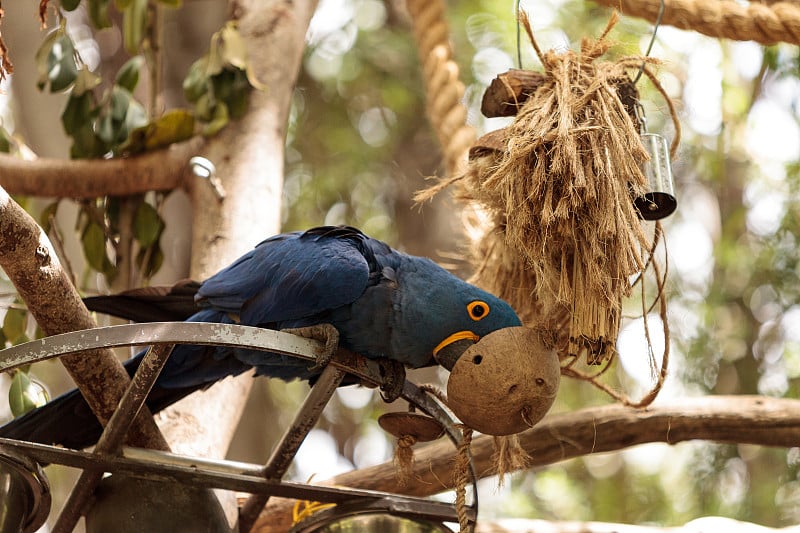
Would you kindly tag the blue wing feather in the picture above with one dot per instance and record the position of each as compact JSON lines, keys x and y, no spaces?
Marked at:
{"x":290,"y":277}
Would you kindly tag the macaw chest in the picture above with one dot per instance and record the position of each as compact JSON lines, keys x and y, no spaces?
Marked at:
{"x":373,"y":326}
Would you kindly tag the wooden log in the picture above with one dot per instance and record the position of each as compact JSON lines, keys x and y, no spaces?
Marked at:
{"x":509,"y":90}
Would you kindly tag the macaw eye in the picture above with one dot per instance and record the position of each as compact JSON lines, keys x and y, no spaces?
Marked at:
{"x":477,"y":310}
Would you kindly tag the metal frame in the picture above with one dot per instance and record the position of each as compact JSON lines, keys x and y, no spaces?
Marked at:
{"x":262,"y":481}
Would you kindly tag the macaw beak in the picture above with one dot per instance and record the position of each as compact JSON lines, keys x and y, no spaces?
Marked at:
{"x":449,"y":350}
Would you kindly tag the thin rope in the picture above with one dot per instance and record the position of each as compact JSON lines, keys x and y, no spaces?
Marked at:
{"x":462,"y":478}
{"x":404,"y":459}
{"x":766,"y":23}
{"x":660,"y":16}
{"x":509,"y":456}
{"x":519,"y":35}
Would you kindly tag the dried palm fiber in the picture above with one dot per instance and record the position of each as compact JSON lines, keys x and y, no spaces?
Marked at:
{"x":566,"y":234}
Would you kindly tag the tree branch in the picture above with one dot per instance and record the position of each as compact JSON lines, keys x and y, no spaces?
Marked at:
{"x":159,"y":170}
{"x":729,"y":419}
{"x":33,"y":267}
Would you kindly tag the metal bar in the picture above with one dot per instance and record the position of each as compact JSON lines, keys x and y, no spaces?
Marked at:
{"x":287,"y":447}
{"x":210,"y":333}
{"x":113,"y":435}
{"x":416,"y":511}
{"x":203,"y":333}
{"x":228,"y":475}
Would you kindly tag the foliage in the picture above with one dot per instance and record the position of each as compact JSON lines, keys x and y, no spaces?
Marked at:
{"x":104,"y":118}
{"x":218,"y":83}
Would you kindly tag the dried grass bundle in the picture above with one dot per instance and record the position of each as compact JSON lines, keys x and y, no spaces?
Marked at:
{"x":566,"y":235}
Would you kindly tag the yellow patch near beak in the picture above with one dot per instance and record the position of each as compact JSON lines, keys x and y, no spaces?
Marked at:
{"x":457,"y":336}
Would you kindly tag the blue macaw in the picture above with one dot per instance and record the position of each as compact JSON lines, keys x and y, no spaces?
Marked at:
{"x":384,"y":304}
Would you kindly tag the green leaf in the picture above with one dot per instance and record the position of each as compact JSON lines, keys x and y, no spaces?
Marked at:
{"x":78,"y":112}
{"x":14,"y":325}
{"x":43,"y":54}
{"x":62,"y":70}
{"x":85,"y":81}
{"x":147,"y":225}
{"x":173,"y":126}
{"x":25,"y":394}
{"x":234,"y":50}
{"x":204,"y":108}
{"x":98,"y":12}
{"x":119,"y":103}
{"x":197,"y":81}
{"x":239,"y":96}
{"x":70,"y":5}
{"x":122,"y":4}
{"x":154,"y":258}
{"x":94,"y":246}
{"x":86,"y":144}
{"x":135,"y":117}
{"x":215,"y":61}
{"x":171,"y":3}
{"x":128,"y":74}
{"x":5,"y":141}
{"x":219,"y":120}
{"x":48,"y":213}
{"x":134,"y":21}
{"x":105,"y":129}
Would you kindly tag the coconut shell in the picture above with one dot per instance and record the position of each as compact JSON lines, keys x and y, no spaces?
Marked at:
{"x":421,"y":427}
{"x":505,"y":382}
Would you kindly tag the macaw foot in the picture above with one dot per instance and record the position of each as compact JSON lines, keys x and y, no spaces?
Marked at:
{"x":320,"y":332}
{"x":394,"y":377}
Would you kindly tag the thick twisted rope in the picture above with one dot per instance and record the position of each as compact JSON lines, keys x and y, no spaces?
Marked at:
{"x":764,"y":22}
{"x":444,"y":90}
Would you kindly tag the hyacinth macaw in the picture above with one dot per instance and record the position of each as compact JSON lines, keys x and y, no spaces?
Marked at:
{"x":384,"y":304}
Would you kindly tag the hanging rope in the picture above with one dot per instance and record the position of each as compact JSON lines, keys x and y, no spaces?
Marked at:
{"x":754,"y":21}
{"x":444,"y":91}
{"x":461,"y":478}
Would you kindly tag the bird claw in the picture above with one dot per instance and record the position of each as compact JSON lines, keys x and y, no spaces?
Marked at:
{"x":320,"y":332}
{"x":394,"y":377}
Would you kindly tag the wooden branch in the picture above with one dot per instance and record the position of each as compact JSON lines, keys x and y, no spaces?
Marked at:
{"x":730,"y":419}
{"x":160,"y":170}
{"x":509,"y":90}
{"x":33,"y":267}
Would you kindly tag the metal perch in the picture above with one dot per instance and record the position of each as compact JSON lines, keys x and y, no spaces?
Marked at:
{"x":263,"y":481}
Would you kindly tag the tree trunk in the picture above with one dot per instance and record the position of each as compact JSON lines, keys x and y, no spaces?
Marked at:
{"x":248,"y":156}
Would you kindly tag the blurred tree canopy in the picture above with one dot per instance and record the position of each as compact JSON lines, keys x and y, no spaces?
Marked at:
{"x":358,"y":146}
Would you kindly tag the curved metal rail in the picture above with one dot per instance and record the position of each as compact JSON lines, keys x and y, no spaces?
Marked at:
{"x":263,"y":479}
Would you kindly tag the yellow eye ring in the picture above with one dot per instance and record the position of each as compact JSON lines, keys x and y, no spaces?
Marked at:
{"x":477,"y":310}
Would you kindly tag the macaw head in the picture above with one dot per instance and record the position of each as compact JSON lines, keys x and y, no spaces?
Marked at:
{"x":446,"y":315}
{"x":480,"y":313}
